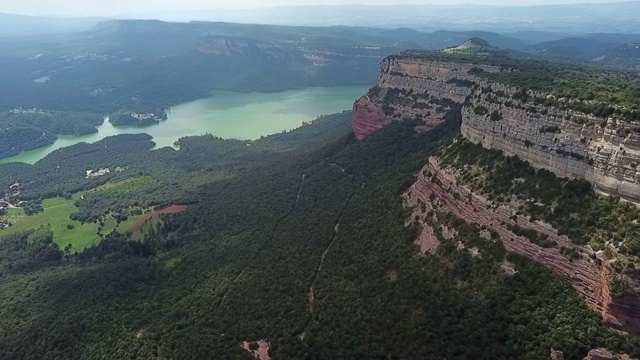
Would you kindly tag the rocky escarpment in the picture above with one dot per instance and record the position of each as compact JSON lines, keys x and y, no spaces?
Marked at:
{"x":411,"y":88}
{"x":438,"y":189}
{"x":547,"y":132}
{"x":603,"y":150}
{"x":224,"y":46}
{"x":368,"y":117}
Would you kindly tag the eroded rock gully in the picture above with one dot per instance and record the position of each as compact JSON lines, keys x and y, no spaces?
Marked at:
{"x":437,"y":188}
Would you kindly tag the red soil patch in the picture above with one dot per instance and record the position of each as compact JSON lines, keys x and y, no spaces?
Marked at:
{"x":262,"y":352}
{"x":173,"y":209}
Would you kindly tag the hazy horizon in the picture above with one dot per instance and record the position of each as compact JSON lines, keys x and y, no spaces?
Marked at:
{"x":79,"y":8}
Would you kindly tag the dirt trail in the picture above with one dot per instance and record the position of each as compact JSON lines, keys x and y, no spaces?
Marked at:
{"x":263,"y":246}
{"x":312,"y":289}
{"x":300,"y":188}
{"x":173,"y":209}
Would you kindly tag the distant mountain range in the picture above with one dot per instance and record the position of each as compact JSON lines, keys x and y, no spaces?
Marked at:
{"x":11,"y":24}
{"x":575,"y":18}
{"x":531,"y":23}
{"x":621,"y":50}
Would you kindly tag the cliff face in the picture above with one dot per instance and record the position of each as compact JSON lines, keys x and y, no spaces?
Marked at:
{"x":604,"y":151}
{"x":570,"y":143}
{"x":438,"y":189}
{"x":413,"y":89}
{"x":367,"y":118}
{"x":546,"y":132}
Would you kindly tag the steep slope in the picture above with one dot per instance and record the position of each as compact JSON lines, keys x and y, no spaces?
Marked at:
{"x":300,"y":253}
{"x":549,"y":131}
{"x":599,"y":145}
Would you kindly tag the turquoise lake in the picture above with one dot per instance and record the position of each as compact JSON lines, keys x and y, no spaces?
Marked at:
{"x":245,"y":116}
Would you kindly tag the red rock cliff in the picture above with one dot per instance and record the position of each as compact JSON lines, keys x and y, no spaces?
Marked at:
{"x":413,"y":89}
{"x":589,"y":279}
{"x":367,"y":117}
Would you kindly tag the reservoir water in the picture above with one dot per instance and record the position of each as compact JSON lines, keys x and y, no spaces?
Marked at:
{"x":245,"y":116}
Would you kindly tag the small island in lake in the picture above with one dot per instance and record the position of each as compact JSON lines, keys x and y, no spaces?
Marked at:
{"x":143,"y":118}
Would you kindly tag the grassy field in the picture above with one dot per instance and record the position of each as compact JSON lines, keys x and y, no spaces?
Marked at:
{"x":56,"y":215}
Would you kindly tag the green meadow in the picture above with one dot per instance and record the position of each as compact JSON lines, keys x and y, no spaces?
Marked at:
{"x":56,"y":216}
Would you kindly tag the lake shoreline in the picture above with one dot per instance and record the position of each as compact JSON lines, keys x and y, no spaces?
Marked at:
{"x":226,"y":114}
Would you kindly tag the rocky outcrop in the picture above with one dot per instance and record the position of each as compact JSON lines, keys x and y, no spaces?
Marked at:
{"x":625,"y":312}
{"x":595,"y":354}
{"x":546,"y":132}
{"x":437,"y":189}
{"x":604,"y":151}
{"x":603,"y":354}
{"x":441,"y":80}
{"x":556,"y":355}
{"x":423,"y":87}
{"x":259,"y":349}
{"x":367,"y":118}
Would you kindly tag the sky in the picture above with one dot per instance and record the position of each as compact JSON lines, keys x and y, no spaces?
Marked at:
{"x":120,"y":7}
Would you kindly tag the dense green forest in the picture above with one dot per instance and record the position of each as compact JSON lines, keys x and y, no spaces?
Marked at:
{"x":27,"y":129}
{"x":299,"y":240}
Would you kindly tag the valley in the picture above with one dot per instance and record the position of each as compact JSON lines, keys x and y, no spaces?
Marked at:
{"x":474,"y":203}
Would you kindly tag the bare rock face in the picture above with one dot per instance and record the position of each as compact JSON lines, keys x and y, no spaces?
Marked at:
{"x":556,"y":355}
{"x":595,"y":354}
{"x":547,"y":134}
{"x":433,"y":77}
{"x":259,"y":349}
{"x":604,"y":151}
{"x":603,"y":354}
{"x":427,"y":83}
{"x":367,"y":118}
{"x":439,"y":189}
{"x":625,"y":310}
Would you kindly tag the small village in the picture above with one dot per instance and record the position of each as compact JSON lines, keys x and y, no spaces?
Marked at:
{"x":146,"y":116}
{"x":29,"y":111}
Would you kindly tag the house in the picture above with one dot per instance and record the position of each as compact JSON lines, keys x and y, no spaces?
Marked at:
{"x":15,"y":186}
{"x":144,"y":116}
{"x":101,"y":172}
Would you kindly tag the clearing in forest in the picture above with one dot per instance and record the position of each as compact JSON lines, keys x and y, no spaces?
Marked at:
{"x":65,"y":231}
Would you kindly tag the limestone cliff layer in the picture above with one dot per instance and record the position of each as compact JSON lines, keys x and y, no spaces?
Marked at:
{"x":604,"y":151}
{"x":413,"y":88}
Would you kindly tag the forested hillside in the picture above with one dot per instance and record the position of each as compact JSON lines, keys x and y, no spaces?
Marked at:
{"x":67,"y":84}
{"x":298,"y":241}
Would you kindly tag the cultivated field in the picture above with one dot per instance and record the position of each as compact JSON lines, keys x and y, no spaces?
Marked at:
{"x":56,"y":215}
